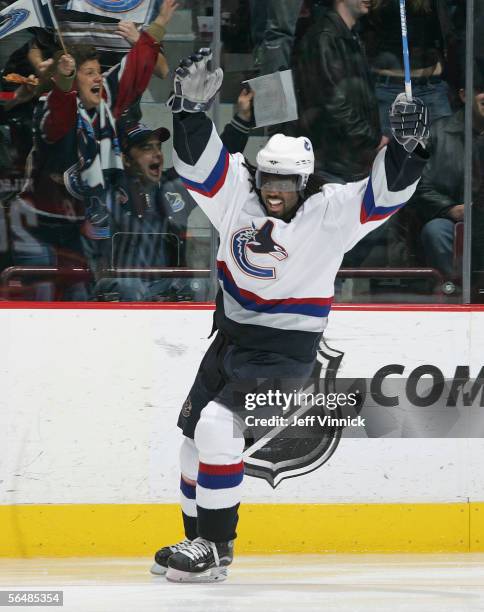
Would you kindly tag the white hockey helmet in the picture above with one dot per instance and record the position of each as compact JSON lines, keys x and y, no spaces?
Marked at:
{"x":286,"y":155}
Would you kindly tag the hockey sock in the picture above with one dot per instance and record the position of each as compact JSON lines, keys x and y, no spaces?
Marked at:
{"x":190,"y":526}
{"x":220,"y":444}
{"x":189,"y":468}
{"x":218,"y":500}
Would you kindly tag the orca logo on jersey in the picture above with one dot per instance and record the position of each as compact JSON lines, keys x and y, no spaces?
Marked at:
{"x":260,"y":242}
{"x":277,"y":455}
{"x":176,"y":202}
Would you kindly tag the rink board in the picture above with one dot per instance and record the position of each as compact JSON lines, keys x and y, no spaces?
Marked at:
{"x":88,"y":432}
{"x":139,"y":530}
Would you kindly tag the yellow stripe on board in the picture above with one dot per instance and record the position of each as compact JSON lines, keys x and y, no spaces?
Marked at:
{"x":138,"y":530}
{"x":476,"y":527}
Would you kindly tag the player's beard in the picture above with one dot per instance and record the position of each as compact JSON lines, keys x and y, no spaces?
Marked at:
{"x":282,"y":209}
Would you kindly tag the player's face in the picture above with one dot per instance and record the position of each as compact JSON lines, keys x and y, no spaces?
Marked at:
{"x":279,"y":195}
{"x":146,"y":160}
{"x":90,"y":83}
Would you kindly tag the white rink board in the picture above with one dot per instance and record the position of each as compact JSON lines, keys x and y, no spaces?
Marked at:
{"x":90,"y":398}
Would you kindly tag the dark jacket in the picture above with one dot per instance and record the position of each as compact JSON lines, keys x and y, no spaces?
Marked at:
{"x":337,"y":105}
{"x":442,"y":183}
{"x":149,"y":228}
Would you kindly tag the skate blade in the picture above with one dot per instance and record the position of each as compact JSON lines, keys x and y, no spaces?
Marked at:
{"x":158,"y":570}
{"x":216,"y":574}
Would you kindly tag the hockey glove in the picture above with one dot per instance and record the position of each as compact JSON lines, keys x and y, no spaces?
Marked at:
{"x":195,"y":86}
{"x":409,"y":122}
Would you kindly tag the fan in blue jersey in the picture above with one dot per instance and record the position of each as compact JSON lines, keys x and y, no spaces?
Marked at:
{"x":282,"y":240}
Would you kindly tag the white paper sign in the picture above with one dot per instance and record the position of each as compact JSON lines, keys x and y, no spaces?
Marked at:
{"x":275,"y":99}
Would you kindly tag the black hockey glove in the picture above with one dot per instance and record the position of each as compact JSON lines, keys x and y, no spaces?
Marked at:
{"x":195,"y":86}
{"x":409,"y":122}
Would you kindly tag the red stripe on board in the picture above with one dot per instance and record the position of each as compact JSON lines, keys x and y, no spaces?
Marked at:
{"x":408,"y":307}
{"x":221,"y":470}
{"x":211,"y":306}
{"x":107,"y":306}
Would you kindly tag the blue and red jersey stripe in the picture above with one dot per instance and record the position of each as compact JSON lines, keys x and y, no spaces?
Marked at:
{"x":371,"y":212}
{"x":313,"y":307}
{"x":216,"y":179}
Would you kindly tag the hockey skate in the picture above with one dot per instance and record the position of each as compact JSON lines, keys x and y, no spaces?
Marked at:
{"x":201,"y":561}
{"x":160,"y":565}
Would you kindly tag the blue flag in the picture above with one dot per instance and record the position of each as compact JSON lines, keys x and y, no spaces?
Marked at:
{"x":26,"y":14}
{"x":138,"y":11}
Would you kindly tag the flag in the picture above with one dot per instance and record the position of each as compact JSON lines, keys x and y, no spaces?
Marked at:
{"x":100,"y":32}
{"x":138,"y":11}
{"x":26,"y":14}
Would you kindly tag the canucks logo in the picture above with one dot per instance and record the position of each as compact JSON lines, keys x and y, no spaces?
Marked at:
{"x":11,"y":20}
{"x":115,"y":6}
{"x":175,"y":201}
{"x":258,"y":241}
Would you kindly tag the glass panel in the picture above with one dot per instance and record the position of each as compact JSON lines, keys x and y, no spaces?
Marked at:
{"x":86,"y":222}
{"x":347,"y":70}
{"x":49,"y":251}
{"x":477,"y":277}
{"x":432,"y":223}
{"x":409,"y":245}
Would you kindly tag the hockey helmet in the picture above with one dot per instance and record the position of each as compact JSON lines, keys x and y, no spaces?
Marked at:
{"x":285,"y":155}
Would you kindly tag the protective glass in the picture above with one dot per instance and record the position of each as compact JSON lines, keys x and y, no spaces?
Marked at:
{"x":277,"y":182}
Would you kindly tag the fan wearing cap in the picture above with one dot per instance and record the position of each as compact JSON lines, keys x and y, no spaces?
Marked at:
{"x":152,"y":213}
{"x":142,"y":154}
{"x":140,"y":221}
{"x":282,"y":238}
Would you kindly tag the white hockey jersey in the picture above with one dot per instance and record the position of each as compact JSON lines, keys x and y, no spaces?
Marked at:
{"x":277,"y":277}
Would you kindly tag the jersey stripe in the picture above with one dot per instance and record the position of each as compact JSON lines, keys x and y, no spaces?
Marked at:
{"x":370,"y":211}
{"x":312,"y":307}
{"x":216,"y":179}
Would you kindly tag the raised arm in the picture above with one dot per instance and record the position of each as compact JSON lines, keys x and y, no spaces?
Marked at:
{"x":127,"y":81}
{"x":204,"y":164}
{"x":236,"y":133}
{"x":60,"y":109}
{"x":358,"y":208}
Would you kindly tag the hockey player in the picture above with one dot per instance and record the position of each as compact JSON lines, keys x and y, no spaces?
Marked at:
{"x":282,"y":240}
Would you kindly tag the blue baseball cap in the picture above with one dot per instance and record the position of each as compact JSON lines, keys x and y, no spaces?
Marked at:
{"x":137,"y":133}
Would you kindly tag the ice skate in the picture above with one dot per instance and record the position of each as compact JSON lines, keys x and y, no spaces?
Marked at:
{"x":160,"y":565}
{"x":201,"y":561}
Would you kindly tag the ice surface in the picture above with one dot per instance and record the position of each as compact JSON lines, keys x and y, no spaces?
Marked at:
{"x":333,"y":583}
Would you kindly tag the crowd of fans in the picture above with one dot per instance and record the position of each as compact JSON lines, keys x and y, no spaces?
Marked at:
{"x":86,"y":198}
